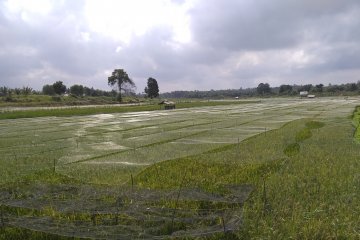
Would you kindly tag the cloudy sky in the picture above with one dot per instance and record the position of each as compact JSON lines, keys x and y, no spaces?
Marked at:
{"x":184,"y":44}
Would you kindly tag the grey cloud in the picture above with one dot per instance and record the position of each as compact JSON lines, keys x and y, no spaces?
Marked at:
{"x":241,"y":25}
{"x":259,"y":24}
{"x":221,"y":32}
{"x":153,"y":55}
{"x":57,"y":43}
{"x":337,"y":59}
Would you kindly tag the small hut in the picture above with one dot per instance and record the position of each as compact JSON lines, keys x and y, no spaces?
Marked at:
{"x":167,"y":104}
{"x":304,"y":94}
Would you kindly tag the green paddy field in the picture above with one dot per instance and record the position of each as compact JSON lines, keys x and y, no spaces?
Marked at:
{"x":295,"y":165}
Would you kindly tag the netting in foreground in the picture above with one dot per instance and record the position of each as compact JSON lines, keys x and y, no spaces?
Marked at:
{"x":86,"y":211}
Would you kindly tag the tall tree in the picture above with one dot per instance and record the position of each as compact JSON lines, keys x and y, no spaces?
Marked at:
{"x":152,"y":89}
{"x":285,"y":89}
{"x":319,"y":87}
{"x":120,"y":78}
{"x":4,"y":91}
{"x":26,"y":90}
{"x":263,"y":88}
{"x":77,"y":90}
{"x":48,"y":89}
{"x":306,"y":87}
{"x":59,"y":87}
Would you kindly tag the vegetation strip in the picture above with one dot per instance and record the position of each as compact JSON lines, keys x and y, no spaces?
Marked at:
{"x":105,"y":110}
{"x":356,"y":122}
{"x":296,"y":189}
{"x":307,"y":195}
{"x":127,"y":150}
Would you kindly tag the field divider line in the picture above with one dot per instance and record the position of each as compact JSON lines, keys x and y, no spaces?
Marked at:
{"x":38,"y":132}
{"x":95,"y":133}
{"x":148,"y":145}
{"x":257,"y":119}
{"x":178,"y":128}
{"x":163,"y":142}
{"x":52,"y":125}
{"x":133,"y":128}
{"x":128,"y":150}
{"x":122,"y":130}
{"x":129,"y":129}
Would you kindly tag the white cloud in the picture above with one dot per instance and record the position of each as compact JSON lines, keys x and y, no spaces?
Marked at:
{"x":85,"y":36}
{"x":31,"y":12}
{"x":42,"y":7}
{"x":124,"y":19}
{"x":184,"y":44}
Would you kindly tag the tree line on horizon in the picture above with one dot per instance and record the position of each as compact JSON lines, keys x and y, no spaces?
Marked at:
{"x":265,"y":90}
{"x":119,"y":80}
{"x":152,"y":91}
{"x":122,"y":85}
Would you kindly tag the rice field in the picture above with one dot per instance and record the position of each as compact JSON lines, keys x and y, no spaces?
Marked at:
{"x":92,"y":147}
{"x":156,"y":149}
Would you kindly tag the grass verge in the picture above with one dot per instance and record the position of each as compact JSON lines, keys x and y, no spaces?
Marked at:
{"x":313,"y":194}
{"x":77,"y":111}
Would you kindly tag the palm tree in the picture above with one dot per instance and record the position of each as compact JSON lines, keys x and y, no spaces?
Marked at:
{"x":121,"y":78}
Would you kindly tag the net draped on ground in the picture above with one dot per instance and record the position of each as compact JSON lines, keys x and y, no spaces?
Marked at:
{"x":86,"y":211}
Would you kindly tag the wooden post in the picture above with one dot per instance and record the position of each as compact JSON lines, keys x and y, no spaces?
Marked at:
{"x":177,"y":200}
{"x":265,"y":202}
{"x":238,"y":146}
{"x":2,"y":216}
{"x":132,"y":182}
{"x":54,"y":165}
{"x":223,"y":222}
{"x":93,"y":219}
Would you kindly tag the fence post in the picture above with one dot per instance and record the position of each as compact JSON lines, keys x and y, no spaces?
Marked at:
{"x":54,"y":165}
{"x":238,"y":143}
{"x":177,"y":200}
{"x":2,"y":220}
{"x":223,"y":221}
{"x":132,"y":182}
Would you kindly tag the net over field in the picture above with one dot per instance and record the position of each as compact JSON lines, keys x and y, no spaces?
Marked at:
{"x":86,"y":162}
{"x":92,"y":148}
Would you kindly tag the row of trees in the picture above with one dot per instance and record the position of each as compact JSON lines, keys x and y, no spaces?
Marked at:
{"x":264,"y":89}
{"x":318,"y":89}
{"x":5,"y":91}
{"x":76,"y":90}
{"x":121,"y":80}
{"x":122,"y":84}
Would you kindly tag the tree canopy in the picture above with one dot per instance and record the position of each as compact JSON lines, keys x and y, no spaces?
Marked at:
{"x":152,"y":89}
{"x":285,"y":89}
{"x":263,"y":88}
{"x":77,"y":90}
{"x":122,"y":80}
{"x":59,"y":87}
{"x":48,"y":89}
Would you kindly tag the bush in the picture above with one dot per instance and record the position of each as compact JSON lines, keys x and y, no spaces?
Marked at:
{"x":303,"y":135}
{"x":314,"y":124}
{"x":292,"y":149}
{"x":56,"y":98}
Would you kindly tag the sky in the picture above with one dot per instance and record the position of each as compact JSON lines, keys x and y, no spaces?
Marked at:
{"x":183,"y":44}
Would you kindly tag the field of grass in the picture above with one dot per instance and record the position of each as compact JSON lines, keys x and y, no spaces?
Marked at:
{"x":46,"y":100}
{"x":66,"y":111}
{"x":297,"y":159}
